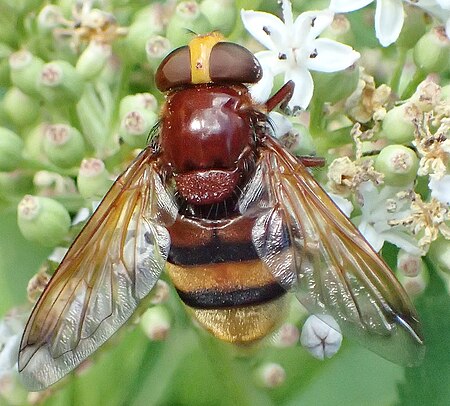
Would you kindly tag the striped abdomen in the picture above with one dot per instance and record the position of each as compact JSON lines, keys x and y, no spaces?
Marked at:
{"x":219,"y":276}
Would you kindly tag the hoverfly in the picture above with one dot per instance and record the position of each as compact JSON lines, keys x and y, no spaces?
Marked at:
{"x":237,"y":221}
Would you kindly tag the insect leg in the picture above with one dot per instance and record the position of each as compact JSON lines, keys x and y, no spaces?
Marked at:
{"x":281,"y":98}
{"x":311,"y":161}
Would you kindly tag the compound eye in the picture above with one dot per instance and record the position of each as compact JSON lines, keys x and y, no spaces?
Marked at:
{"x":232,"y":63}
{"x":228,"y":63}
{"x":174,"y":70}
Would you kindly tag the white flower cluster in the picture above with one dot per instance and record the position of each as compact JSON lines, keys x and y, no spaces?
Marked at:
{"x":378,"y":193}
{"x":389,"y":14}
{"x":293,"y":46}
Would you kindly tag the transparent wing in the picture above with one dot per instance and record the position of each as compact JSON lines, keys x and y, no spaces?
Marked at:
{"x":111,"y":266}
{"x":314,"y":250}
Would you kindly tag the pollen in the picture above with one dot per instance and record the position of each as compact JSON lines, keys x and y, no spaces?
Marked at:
{"x":29,"y":207}
{"x":37,"y":283}
{"x":368,"y":102}
{"x":89,"y":24}
{"x":345,"y":175}
{"x":401,"y":162}
{"x":426,"y":220}
{"x":432,"y":147}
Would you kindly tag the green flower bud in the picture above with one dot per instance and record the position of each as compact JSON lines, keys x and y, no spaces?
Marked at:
{"x":49,"y":18}
{"x":339,"y":30}
{"x":8,"y":27}
{"x":155,"y":322}
{"x":270,"y":375}
{"x":414,"y":27}
{"x":398,"y":126}
{"x":25,"y":71}
{"x":427,"y":95}
{"x":299,"y":141}
{"x":33,"y":143}
{"x":160,"y":293}
{"x":66,"y":6}
{"x":22,"y":109}
{"x":335,"y":86}
{"x":221,"y":14}
{"x":53,"y":184}
{"x":43,"y":220}
{"x":93,"y":59}
{"x":286,"y":336}
{"x":16,"y":183}
{"x":5,"y":52}
{"x":154,"y":15}
{"x":156,"y":48}
{"x":138,"y":101}
{"x":93,"y":179}
{"x":63,"y":145}
{"x":321,"y":336}
{"x":11,"y":146}
{"x":135,"y":127}
{"x":432,"y":51}
{"x":410,"y":265}
{"x":22,"y":6}
{"x":59,"y":82}
{"x":111,"y":71}
{"x":399,"y":165}
{"x":445,"y":93}
{"x":147,"y":23}
{"x":439,"y":253}
{"x":186,"y":19}
{"x":415,"y":285}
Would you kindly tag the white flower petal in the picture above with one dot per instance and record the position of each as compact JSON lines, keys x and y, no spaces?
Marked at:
{"x":445,"y":4}
{"x":447,"y":28}
{"x":331,"y":56}
{"x":375,"y":240}
{"x":309,"y":25}
{"x":268,"y":29}
{"x":440,"y":188}
{"x":402,"y":240}
{"x":344,"y":205}
{"x":58,"y":254}
{"x":291,"y":46}
{"x":344,"y":6}
{"x":389,"y":16}
{"x":369,"y":194}
{"x":269,"y":61}
{"x":387,"y":191}
{"x":288,"y":18}
{"x":280,"y":123}
{"x":260,"y":91}
{"x":304,"y":87}
{"x":82,"y":215}
{"x":439,"y":11}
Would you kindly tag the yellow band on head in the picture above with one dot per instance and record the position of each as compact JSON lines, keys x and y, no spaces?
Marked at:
{"x":200,"y":49}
